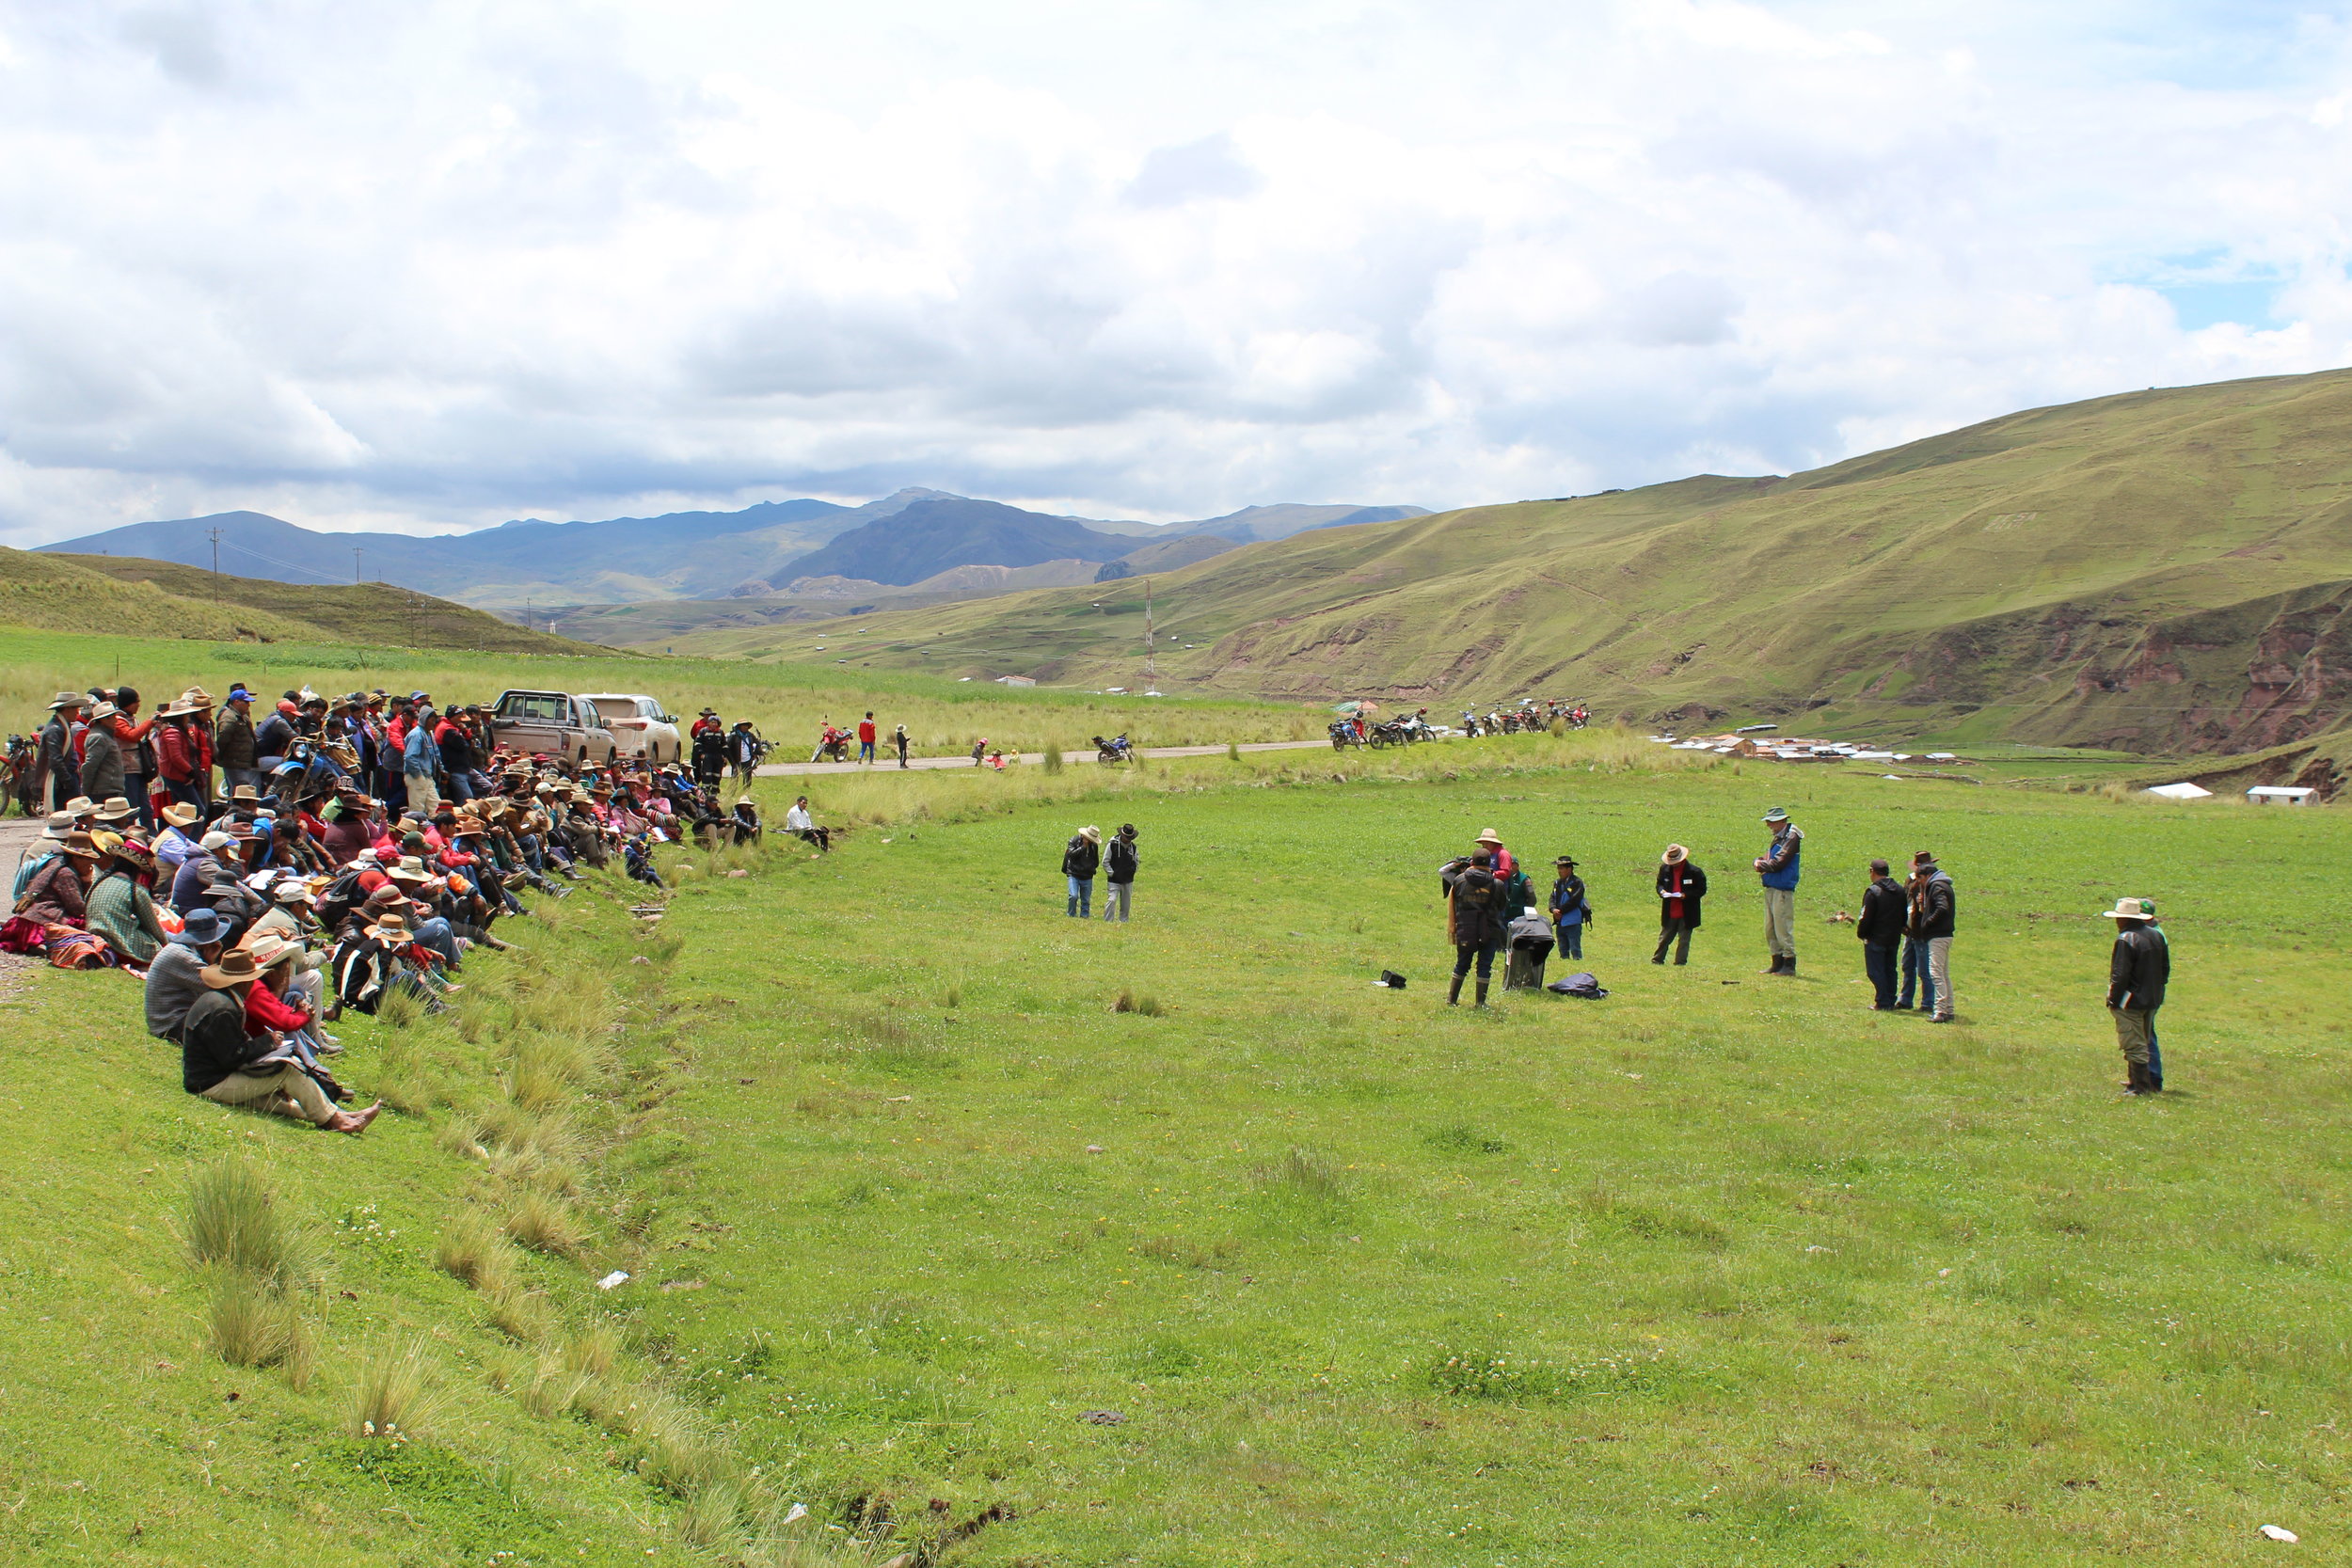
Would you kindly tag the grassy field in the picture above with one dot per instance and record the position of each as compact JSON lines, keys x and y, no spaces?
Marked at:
{"x":158,"y":599}
{"x":2104,"y":571}
{"x":1721,"y":1269}
{"x":786,"y":701}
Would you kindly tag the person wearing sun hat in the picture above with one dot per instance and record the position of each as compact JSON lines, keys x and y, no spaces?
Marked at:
{"x":57,"y":895}
{"x":1080,"y":858}
{"x":1571,"y":909}
{"x":1502,"y":862}
{"x":1681,"y":891}
{"x":2139,"y":969}
{"x":121,"y":909}
{"x":56,"y":773}
{"x":221,"y":1062}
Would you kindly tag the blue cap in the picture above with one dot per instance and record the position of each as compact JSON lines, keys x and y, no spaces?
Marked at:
{"x":237,"y":693}
{"x":203,"y":928}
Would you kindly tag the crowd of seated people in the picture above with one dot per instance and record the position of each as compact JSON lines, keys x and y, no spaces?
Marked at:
{"x":264,"y":878}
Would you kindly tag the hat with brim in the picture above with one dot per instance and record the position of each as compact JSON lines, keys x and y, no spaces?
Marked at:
{"x":267,"y":951}
{"x":1565,"y":859}
{"x":68,"y":699}
{"x":244,"y":792}
{"x":1090,"y":834}
{"x":2132,"y":909}
{"x":1489,"y":836}
{"x":80,"y":844}
{"x":103,"y":710}
{"x":1776,"y":815}
{"x":181,"y":813}
{"x":117,"y":809}
{"x":236,"y":968}
{"x":58,"y":826}
{"x":1675,"y":854}
{"x":293,"y":889}
{"x":81,"y":805}
{"x":390,"y":928}
{"x":201,"y":928}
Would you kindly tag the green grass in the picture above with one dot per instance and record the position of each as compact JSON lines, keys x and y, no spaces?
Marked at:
{"x":158,"y":598}
{"x":1706,"y":1272}
{"x":2104,"y":573}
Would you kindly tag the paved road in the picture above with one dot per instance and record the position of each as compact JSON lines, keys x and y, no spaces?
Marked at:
{"x":890,"y":762}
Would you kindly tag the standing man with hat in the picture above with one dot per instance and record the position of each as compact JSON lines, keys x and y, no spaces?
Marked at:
{"x":419,"y":760}
{"x":1934,"y":912}
{"x":56,"y":774}
{"x":1777,"y":865}
{"x":1571,"y":911}
{"x":1080,"y":858}
{"x":1475,"y":919}
{"x":1504,"y":861}
{"x":1681,"y":889}
{"x":2138,"y":971}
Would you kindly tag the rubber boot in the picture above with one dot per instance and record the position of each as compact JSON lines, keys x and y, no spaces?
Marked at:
{"x":1454,"y":997}
{"x":1788,"y":964}
{"x":1482,"y":993}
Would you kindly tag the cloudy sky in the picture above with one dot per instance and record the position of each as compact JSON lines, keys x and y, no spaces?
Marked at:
{"x":433,"y":265}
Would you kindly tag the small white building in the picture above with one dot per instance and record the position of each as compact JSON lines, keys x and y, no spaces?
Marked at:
{"x":2180,"y":792}
{"x":2280,"y":795}
{"x":1014,"y":680}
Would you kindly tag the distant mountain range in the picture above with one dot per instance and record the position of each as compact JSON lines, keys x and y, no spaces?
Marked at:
{"x":902,"y":539}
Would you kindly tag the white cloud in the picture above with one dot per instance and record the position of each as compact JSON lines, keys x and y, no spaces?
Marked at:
{"x":441,"y":264}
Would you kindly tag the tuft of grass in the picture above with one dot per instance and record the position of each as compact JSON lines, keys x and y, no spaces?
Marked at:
{"x":517,"y":1312}
{"x":398,"y":1010}
{"x":545,"y":1223}
{"x":473,"y":1249}
{"x":393,"y":1400}
{"x":593,"y":1350}
{"x":234,"y":1221}
{"x":554,"y":1389}
{"x":252,"y":1324}
{"x":1052,"y":758}
{"x":712,"y":1518}
{"x":1304,"y":1171}
{"x":1143,"y":1003}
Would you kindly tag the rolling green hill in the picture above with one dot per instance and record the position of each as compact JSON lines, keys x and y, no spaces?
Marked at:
{"x":127,"y":596}
{"x":2160,"y":571}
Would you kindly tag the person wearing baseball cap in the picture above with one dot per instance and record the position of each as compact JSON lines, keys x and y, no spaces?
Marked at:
{"x":236,"y":746}
{"x":2139,"y":969}
{"x":1778,"y":866}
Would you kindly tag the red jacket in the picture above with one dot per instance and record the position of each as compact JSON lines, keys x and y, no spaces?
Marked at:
{"x":176,"y":756}
{"x":866,"y":732}
{"x":265,"y":1009}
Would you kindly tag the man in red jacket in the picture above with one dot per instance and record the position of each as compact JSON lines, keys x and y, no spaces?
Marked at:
{"x":866,"y":738}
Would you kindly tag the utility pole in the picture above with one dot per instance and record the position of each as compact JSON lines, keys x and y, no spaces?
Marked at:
{"x":1151,"y":677}
{"x":357,"y":551}
{"x":213,"y":534}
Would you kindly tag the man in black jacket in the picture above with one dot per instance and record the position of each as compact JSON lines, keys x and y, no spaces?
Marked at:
{"x":1935,"y":912}
{"x":1881,"y":930}
{"x":216,"y":1054}
{"x":1080,"y":860}
{"x":1475,"y":919}
{"x":1681,"y":889}
{"x":2137,"y":971}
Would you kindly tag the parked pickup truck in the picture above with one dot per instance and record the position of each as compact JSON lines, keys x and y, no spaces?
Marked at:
{"x":554,"y":723}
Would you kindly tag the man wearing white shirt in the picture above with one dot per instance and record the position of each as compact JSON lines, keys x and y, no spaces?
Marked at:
{"x":799,"y":823}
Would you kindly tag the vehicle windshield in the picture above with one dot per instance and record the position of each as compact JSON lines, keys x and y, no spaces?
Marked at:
{"x":541,"y":707}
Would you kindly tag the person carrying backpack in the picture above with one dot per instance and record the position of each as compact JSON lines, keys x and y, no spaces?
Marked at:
{"x":1474,"y":920}
{"x":1080,"y":860}
{"x":1119,"y":864}
{"x":1571,"y":909}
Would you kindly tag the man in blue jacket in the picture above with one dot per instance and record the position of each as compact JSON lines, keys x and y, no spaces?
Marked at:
{"x":1777,"y":865}
{"x":419,"y":760}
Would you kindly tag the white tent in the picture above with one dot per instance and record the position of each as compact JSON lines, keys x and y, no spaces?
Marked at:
{"x":2180,"y":792}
